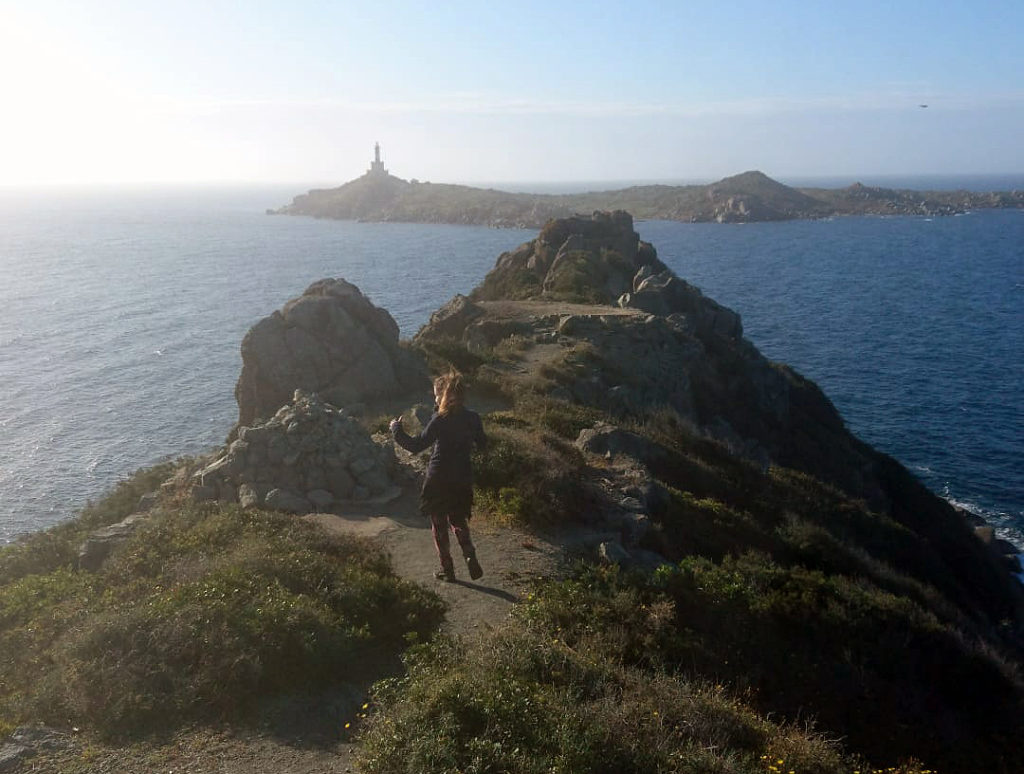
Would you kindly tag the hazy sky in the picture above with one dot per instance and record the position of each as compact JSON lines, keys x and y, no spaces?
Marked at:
{"x":290,"y":90}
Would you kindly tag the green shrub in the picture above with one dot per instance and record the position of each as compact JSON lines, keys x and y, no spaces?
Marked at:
{"x":527,"y":700}
{"x":528,"y":477}
{"x":448,"y":352}
{"x":203,"y":613}
{"x":870,"y":666}
{"x":560,"y":417}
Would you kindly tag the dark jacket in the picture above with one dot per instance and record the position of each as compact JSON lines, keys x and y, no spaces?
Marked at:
{"x":453,"y":436}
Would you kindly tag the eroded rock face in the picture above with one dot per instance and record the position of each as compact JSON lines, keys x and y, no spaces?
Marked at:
{"x":450,"y":320}
{"x":307,"y":457}
{"x":665,"y":294}
{"x":332,"y":341}
{"x":591,"y":259}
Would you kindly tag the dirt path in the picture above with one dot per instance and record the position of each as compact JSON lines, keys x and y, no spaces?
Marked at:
{"x":511,"y":559}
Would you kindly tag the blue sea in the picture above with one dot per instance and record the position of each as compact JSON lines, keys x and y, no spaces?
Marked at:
{"x":122,"y":312}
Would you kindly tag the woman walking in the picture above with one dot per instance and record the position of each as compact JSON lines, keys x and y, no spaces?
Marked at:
{"x":447,"y":495}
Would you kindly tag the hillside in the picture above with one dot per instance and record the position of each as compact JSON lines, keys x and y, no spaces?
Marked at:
{"x":744,"y":198}
{"x":691,"y":564}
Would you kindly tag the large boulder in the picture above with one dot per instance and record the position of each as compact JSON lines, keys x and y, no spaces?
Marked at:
{"x":332,"y":341}
{"x":309,"y":456}
{"x":451,"y":319}
{"x":582,"y":258}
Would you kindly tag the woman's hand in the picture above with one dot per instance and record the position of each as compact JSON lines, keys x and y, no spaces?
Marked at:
{"x":396,"y":424}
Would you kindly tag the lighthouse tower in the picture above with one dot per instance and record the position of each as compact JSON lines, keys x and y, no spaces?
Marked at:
{"x":377,"y":166}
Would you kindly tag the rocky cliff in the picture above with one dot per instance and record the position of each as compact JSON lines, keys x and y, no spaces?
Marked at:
{"x":605,"y":327}
{"x":745,"y":198}
{"x":749,"y":568}
{"x":616,"y":331}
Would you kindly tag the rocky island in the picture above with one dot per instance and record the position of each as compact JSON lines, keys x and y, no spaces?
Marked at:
{"x":745,"y":198}
{"x":692,"y":564}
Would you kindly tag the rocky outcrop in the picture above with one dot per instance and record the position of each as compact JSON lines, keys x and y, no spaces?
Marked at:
{"x":583,"y":258}
{"x":452,"y":319}
{"x":310,"y":456}
{"x":27,"y":741}
{"x":665,"y":294}
{"x":654,"y":341}
{"x":332,"y":341}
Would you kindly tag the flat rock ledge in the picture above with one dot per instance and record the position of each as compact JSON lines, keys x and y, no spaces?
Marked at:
{"x":27,"y":741}
{"x":310,"y":456}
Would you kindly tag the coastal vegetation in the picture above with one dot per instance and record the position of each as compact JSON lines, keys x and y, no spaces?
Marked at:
{"x":748,"y":587}
{"x":208,"y":613}
{"x":784,"y":599}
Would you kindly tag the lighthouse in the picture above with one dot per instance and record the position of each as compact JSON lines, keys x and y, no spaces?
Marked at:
{"x":377,"y":166}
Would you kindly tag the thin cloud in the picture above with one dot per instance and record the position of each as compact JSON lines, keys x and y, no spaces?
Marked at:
{"x":468,"y":104}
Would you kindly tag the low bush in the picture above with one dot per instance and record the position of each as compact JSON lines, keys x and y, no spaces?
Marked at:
{"x":536,"y":697}
{"x":869,"y":666}
{"x":205,"y":612}
{"x":445,"y":353}
{"x":561,"y":417}
{"x":528,"y":477}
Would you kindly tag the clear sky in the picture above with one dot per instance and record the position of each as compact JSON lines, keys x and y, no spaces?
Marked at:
{"x":298,"y":91}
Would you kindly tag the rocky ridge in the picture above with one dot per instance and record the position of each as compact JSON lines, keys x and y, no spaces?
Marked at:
{"x":613,"y":329}
{"x":587,"y":348}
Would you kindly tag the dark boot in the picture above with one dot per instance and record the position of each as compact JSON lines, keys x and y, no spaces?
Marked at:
{"x":446,"y":573}
{"x":475,"y":570}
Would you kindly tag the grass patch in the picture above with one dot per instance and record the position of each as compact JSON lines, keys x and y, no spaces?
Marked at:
{"x":552,"y":692}
{"x":869,"y":666}
{"x":203,"y":614}
{"x":443,"y":353}
{"x":527,"y":477}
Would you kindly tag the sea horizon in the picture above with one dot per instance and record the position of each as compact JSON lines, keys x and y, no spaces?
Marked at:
{"x":974,"y":182}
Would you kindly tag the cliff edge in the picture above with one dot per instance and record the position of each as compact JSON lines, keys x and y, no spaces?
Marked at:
{"x":691,"y":564}
{"x":641,"y":340}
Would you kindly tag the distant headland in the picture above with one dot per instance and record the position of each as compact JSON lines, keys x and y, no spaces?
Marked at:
{"x":745,"y":198}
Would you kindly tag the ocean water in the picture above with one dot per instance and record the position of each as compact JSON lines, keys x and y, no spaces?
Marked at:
{"x":122,"y":312}
{"x":914,"y":327}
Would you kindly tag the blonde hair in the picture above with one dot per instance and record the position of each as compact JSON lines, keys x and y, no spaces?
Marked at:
{"x":451,"y":392}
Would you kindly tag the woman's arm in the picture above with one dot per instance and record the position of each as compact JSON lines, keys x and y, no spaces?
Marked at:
{"x":415,"y":443}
